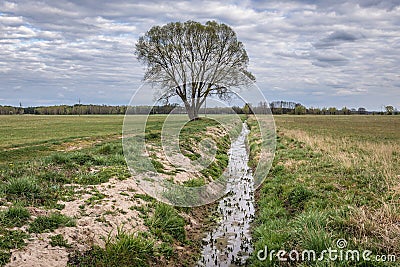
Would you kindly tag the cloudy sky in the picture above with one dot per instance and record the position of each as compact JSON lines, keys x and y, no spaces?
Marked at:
{"x":320,"y":53}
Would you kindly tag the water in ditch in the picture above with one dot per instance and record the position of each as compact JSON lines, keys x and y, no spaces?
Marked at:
{"x":229,"y":244}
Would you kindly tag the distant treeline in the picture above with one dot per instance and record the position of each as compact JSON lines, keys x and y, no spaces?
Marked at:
{"x":285,"y":107}
{"x":77,"y":109}
{"x":276,"y":107}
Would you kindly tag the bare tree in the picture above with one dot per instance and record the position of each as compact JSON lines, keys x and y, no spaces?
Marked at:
{"x":193,"y":61}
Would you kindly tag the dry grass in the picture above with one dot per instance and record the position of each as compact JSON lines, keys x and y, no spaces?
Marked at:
{"x":377,"y":160}
{"x":382,"y":223}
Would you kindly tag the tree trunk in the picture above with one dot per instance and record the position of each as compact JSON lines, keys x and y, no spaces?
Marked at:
{"x":190,"y":112}
{"x":193,"y":112}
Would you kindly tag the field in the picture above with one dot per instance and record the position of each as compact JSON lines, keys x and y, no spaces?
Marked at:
{"x":334,"y":177}
{"x":25,"y":137}
{"x":65,"y":185}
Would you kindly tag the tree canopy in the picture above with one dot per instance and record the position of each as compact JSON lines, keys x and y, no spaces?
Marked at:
{"x":193,"y":60}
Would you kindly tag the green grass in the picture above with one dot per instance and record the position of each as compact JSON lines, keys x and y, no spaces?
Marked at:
{"x":44,"y":153}
{"x":191,"y":134}
{"x":195,"y":182}
{"x":40,"y":181}
{"x":332,"y":177}
{"x":29,"y":190}
{"x":12,"y":239}
{"x":51,"y":222}
{"x":166,"y":223}
{"x":144,"y":197}
{"x":23,"y":137}
{"x":58,"y":240}
{"x":4,"y":257}
{"x":97,"y":197}
{"x":25,"y":187}
{"x":125,"y":249}
{"x":15,"y":216}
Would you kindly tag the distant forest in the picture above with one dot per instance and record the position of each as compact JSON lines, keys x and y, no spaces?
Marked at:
{"x":276,"y":107}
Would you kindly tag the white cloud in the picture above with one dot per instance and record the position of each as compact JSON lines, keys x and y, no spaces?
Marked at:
{"x":316,"y":51}
{"x":10,"y":20}
{"x":348,"y":92}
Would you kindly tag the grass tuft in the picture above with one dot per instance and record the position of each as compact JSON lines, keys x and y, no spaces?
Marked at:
{"x":22,"y":187}
{"x":311,"y":229}
{"x":51,"y":222}
{"x":298,"y":196}
{"x":15,"y":216}
{"x":166,"y":221}
{"x":13,"y":239}
{"x":124,"y":250}
{"x":58,"y":240}
{"x":4,"y":257}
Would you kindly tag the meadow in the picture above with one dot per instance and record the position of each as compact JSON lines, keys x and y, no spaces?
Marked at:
{"x":65,"y":186}
{"x":25,"y":137}
{"x":333,"y":177}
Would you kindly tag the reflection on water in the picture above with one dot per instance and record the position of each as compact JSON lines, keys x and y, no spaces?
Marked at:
{"x":229,"y":244}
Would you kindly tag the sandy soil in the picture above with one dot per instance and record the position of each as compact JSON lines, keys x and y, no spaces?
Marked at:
{"x":94,"y":221}
{"x":114,"y":212}
{"x":191,"y":171}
